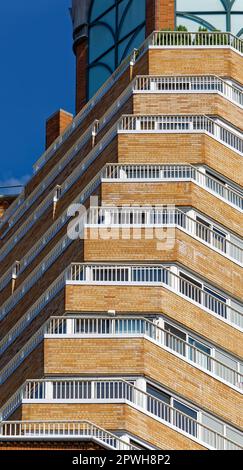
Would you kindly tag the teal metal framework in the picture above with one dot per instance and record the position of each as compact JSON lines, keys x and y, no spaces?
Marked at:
{"x":134,"y":34}
{"x":196,"y":15}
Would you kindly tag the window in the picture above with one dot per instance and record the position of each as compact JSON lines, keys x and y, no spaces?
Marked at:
{"x":183,"y":416}
{"x":211,"y":234}
{"x":202,"y":294}
{"x":202,"y":229}
{"x":215,"y":302}
{"x":200,"y":354}
{"x":157,"y":408}
{"x":190,"y":287}
{"x":219,"y":239}
{"x":173,"y":339}
{"x":185,"y":421}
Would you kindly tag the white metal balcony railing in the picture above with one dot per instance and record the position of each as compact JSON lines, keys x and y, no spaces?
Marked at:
{"x":132,"y":173}
{"x":131,"y":124}
{"x":47,"y":237}
{"x":154,"y":275}
{"x":151,"y":173}
{"x":183,"y":124}
{"x":189,"y":84}
{"x":11,"y":430}
{"x":177,"y":39}
{"x":155,"y":40}
{"x":129,"y":217}
{"x":121,"y":391}
{"x":164,"y":217}
{"x":145,"y":84}
{"x":126,"y":327}
{"x":62,"y":189}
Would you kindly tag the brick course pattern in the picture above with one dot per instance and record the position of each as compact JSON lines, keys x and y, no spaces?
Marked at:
{"x":123,"y":357}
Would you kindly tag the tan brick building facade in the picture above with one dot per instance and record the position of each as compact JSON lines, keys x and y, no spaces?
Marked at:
{"x":123,"y":332}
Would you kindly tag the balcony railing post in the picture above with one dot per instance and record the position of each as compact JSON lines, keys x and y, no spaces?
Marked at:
{"x":48,"y":390}
{"x":140,"y":397}
{"x":69,"y":325}
{"x":93,"y":390}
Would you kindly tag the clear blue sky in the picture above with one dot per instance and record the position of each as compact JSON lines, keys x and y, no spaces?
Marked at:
{"x":37,"y":78}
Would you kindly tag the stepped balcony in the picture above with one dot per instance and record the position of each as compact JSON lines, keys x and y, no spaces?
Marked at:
{"x":56,"y":430}
{"x":176,"y":340}
{"x":201,"y":176}
{"x":157,"y":40}
{"x":140,"y":394}
{"x":172,"y":279}
{"x":112,"y":173}
{"x":180,"y":124}
{"x":126,"y":125}
{"x":206,"y":84}
{"x":141,"y":84}
{"x":192,"y":223}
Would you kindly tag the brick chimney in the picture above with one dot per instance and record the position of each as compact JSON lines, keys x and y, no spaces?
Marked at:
{"x":5,"y":202}
{"x":56,"y":125}
{"x":160,"y":14}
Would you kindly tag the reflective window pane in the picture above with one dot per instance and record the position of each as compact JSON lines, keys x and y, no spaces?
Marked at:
{"x":99,"y":7}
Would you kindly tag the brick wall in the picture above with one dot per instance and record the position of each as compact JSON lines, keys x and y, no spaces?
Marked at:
{"x":177,"y":193}
{"x":141,"y":357}
{"x":160,"y":14}
{"x":87,"y":298}
{"x":115,"y":417}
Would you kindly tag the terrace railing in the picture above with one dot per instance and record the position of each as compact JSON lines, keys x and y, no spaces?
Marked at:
{"x":157,"y":39}
{"x":113,"y":391}
{"x":164,"y":217}
{"x":155,"y":275}
{"x":182,"y":39}
{"x":151,"y":173}
{"x":183,"y":124}
{"x":189,"y":84}
{"x":30,"y":430}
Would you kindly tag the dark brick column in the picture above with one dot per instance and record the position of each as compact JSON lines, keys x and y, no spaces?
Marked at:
{"x":81,"y":52}
{"x":56,"y":125}
{"x":160,"y":14}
